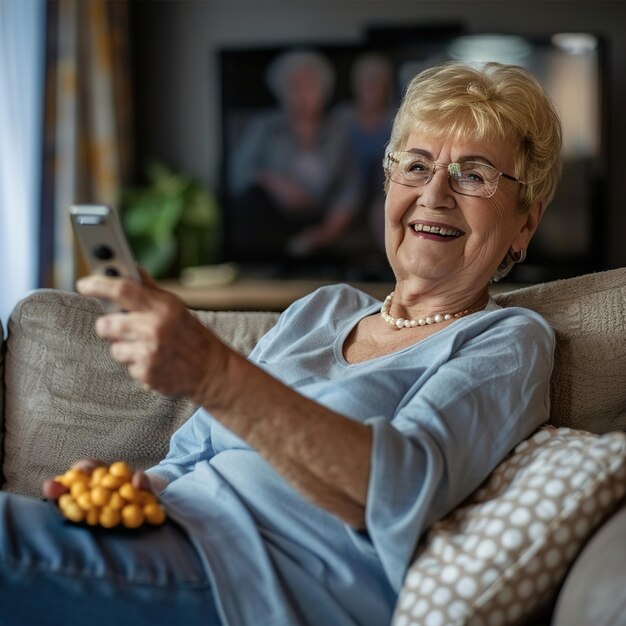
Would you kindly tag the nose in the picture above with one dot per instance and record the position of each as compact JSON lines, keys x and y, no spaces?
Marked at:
{"x":436,"y":193}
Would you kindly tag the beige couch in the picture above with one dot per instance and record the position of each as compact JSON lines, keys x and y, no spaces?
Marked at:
{"x":64,"y":398}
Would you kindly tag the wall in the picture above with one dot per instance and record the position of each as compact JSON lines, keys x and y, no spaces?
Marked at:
{"x":178,"y":101}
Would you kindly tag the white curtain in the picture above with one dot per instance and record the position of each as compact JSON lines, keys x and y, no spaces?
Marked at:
{"x":22,"y":51}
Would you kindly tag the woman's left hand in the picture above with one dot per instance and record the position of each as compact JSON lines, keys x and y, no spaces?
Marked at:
{"x":164,"y":346}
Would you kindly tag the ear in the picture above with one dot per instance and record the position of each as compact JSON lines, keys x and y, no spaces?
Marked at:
{"x":528,"y":226}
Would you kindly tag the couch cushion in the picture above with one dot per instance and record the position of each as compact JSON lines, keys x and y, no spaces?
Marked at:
{"x":501,"y":555}
{"x":66,"y":398}
{"x":588,"y":314}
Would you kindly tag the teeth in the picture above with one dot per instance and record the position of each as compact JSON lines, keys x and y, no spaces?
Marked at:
{"x":437,"y":230}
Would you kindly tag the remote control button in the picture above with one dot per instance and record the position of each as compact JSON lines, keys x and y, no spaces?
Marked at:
{"x":103,"y":252}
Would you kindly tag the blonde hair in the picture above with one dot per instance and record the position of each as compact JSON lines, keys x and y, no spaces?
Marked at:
{"x":495,"y":103}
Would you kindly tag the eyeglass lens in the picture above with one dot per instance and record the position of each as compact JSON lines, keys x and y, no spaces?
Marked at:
{"x":468,"y":177}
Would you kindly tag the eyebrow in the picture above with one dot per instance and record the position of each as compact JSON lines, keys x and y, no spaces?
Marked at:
{"x":464,"y":159}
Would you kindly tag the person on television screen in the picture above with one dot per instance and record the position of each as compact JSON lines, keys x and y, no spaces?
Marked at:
{"x":293,"y":175}
{"x":299,"y":490}
{"x":368,"y":118}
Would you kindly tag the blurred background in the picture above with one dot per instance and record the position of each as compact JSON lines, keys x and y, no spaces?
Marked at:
{"x":177,"y":112}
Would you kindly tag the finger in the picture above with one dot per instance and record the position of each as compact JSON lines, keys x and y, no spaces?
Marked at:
{"x":96,"y":285}
{"x":138,"y":370}
{"x":146,"y":279}
{"x":52,"y":490}
{"x":125,"y":326}
{"x":138,"y":367}
{"x":127,"y":294}
{"x":141,"y":481}
{"x":127,"y":352}
{"x":87,"y":465}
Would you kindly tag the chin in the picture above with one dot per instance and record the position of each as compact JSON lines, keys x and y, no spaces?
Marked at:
{"x":426,"y":270}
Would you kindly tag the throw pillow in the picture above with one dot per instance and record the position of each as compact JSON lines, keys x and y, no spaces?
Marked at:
{"x":503,"y":553}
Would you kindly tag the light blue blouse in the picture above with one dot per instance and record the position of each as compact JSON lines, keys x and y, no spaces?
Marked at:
{"x":443,"y":413}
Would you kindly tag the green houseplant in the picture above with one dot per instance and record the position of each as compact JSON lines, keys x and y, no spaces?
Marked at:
{"x":172,"y":222}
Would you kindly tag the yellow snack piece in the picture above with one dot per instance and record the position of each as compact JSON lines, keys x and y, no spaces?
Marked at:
{"x":109,"y":517}
{"x":100,"y":496}
{"x":128,"y":492}
{"x":132,"y":516}
{"x":74,"y":475}
{"x":111,"y":482}
{"x":64,"y":500}
{"x":63,"y":479}
{"x":120,"y":470}
{"x":145,"y":497}
{"x":154,"y":513}
{"x":97,"y":475}
{"x":93,"y":516}
{"x":74,"y":513}
{"x":116,"y":501}
{"x":78,"y":487}
{"x":84,"y":501}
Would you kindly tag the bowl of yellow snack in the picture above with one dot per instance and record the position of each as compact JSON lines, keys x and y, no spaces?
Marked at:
{"x":106,"y":497}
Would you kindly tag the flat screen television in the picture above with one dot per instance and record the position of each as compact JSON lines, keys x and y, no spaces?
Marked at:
{"x":337,"y":178}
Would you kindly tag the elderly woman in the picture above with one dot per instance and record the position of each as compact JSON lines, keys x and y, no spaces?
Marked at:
{"x":302,"y":485}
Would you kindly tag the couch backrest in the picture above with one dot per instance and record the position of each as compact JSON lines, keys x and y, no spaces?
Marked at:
{"x":588,"y":314}
{"x":66,"y":398}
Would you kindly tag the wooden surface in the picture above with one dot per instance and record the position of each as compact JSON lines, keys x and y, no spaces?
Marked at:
{"x":250,"y":294}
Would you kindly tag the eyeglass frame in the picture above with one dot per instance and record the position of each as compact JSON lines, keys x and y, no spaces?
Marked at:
{"x":453,"y":165}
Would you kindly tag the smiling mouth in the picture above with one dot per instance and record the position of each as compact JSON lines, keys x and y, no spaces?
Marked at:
{"x":442,"y":231}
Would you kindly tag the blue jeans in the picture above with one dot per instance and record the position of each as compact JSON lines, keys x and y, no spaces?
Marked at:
{"x":52,"y":572}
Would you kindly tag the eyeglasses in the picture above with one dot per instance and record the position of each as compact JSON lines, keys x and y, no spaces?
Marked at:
{"x":469,"y":178}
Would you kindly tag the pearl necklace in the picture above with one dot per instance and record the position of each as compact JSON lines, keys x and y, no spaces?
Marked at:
{"x":400,"y":322}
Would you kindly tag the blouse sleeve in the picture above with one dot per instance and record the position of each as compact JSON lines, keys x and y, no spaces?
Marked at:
{"x":446,"y":438}
{"x":189,"y":444}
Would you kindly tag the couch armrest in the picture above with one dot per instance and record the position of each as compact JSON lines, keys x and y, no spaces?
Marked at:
{"x":593,"y":592}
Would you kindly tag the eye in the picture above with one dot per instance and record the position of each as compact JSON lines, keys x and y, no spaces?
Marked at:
{"x":475,"y":173}
{"x":473,"y":177}
{"x":416,"y":165}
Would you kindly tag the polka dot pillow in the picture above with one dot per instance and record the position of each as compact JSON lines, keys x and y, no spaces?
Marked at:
{"x":502,"y":554}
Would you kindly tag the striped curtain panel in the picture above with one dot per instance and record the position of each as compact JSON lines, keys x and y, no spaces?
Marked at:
{"x":88,"y":133}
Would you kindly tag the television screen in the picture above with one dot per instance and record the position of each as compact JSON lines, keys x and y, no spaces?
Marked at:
{"x":304,"y":130}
